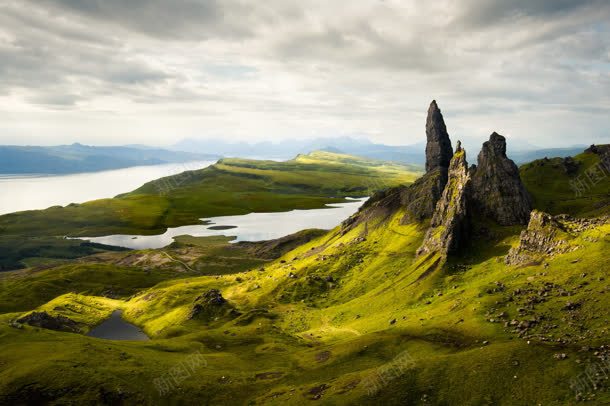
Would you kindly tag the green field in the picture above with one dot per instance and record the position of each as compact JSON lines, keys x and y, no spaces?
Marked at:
{"x":230,"y":187}
{"x":346,"y":318}
{"x":586,"y":192}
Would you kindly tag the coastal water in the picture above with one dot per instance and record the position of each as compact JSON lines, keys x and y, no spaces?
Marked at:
{"x":248,"y":227}
{"x":30,"y":192}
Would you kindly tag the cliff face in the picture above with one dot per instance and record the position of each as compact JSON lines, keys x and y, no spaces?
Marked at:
{"x":548,"y":235}
{"x":450,"y":224}
{"x":451,"y":194}
{"x":421,"y":197}
{"x":497,"y":190}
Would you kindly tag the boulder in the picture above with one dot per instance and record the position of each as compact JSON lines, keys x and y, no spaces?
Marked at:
{"x":545,"y":235}
{"x":210,"y":306}
{"x":45,"y":320}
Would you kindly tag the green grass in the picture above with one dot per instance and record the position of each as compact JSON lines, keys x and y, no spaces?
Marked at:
{"x":18,"y":252}
{"x":552,"y":191}
{"x":321,"y":321}
{"x":230,"y":187}
{"x":294,"y":335}
{"x":26,"y":289}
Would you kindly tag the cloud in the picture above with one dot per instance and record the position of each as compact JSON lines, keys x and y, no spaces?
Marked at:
{"x":283,"y":68}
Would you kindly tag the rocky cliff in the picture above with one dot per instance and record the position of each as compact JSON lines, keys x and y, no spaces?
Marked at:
{"x":497,"y":190}
{"x":450,"y":223}
{"x":451,"y":194}
{"x":418,"y":199}
{"x":548,"y":235}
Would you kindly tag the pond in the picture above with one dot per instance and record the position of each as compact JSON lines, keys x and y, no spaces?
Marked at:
{"x":115,"y":328}
{"x":248,"y":227}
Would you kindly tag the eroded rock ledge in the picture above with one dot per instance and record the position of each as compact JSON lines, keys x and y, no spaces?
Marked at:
{"x":548,"y":235}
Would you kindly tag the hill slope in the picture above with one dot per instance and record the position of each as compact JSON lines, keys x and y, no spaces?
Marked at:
{"x":358,"y":315}
{"x":578,"y":185}
{"x":230,"y":187}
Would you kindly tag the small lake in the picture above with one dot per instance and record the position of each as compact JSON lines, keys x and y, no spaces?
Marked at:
{"x":31,"y":192}
{"x":248,"y":227}
{"x":115,"y":328}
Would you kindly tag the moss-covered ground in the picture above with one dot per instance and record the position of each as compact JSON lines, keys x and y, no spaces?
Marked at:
{"x":346,"y":318}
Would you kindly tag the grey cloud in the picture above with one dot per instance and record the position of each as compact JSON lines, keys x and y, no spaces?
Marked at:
{"x":481,"y":13}
{"x":183,"y":19}
{"x":363,"y":63}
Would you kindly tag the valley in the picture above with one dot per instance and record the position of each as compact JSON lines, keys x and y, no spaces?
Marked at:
{"x":461,"y":285}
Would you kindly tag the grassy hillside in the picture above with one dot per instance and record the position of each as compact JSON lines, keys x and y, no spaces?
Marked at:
{"x":348,"y":318}
{"x":230,"y":187}
{"x":580,"y":186}
{"x":345,"y":317}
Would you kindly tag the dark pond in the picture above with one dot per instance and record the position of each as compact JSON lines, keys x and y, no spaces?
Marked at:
{"x":115,"y":328}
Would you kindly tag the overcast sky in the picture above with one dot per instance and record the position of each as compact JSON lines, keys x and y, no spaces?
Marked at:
{"x":156,"y":71}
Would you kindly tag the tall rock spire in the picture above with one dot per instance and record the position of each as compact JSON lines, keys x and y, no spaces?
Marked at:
{"x":450,"y":223}
{"x":438,"y":147}
{"x":498,"y":192}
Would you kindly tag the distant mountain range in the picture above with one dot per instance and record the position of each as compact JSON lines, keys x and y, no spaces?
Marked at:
{"x":75,"y":158}
{"x":286,"y":149}
{"x":289,"y":148}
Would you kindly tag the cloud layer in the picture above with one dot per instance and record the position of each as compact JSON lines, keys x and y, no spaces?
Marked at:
{"x":155,"y":71}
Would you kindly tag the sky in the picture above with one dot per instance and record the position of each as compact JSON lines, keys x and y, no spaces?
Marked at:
{"x":110,"y":72}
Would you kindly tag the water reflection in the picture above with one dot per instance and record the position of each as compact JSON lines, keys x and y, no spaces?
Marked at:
{"x":115,"y":328}
{"x":248,"y":227}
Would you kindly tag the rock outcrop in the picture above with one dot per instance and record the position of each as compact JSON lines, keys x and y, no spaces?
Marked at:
{"x":545,"y":235}
{"x":419,"y":199}
{"x":45,"y":320}
{"x":451,"y":194}
{"x":497,"y":190}
{"x":210,"y":306}
{"x":450,"y":223}
{"x":548,"y":235}
{"x":438,"y":146}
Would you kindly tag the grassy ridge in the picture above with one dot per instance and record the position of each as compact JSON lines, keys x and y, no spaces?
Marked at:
{"x":556,"y":191}
{"x":325,"y":319}
{"x":358,"y":301}
{"x":231,"y":187}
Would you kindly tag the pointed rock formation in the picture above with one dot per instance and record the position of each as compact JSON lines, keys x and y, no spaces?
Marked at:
{"x":419,"y":199}
{"x":497,"y":190}
{"x":438,"y":147}
{"x":449,"y":226}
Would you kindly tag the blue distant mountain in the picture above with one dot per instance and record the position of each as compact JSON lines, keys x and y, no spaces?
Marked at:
{"x":288,"y":148}
{"x":75,"y":158}
{"x":411,"y":154}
